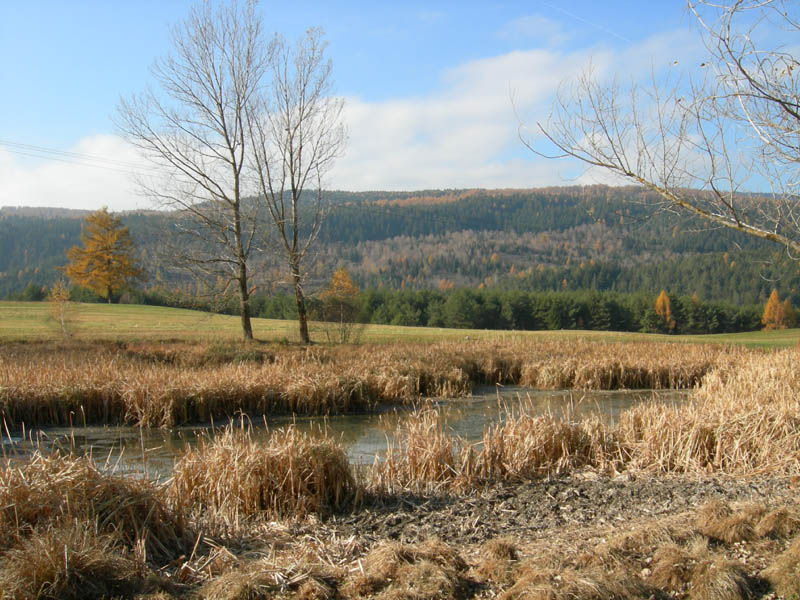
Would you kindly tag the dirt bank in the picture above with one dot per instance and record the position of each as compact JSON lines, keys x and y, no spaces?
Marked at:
{"x":533,"y":509}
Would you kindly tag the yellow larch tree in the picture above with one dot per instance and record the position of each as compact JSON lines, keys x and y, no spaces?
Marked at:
{"x":771,"y":319}
{"x":777,"y":314}
{"x":664,"y":310}
{"x":340,"y":308}
{"x":104,"y":261}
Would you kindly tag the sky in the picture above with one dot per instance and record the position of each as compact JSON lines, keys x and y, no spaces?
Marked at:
{"x":435,"y":92}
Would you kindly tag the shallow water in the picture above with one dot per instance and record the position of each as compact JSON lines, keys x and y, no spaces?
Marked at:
{"x":365,"y":436}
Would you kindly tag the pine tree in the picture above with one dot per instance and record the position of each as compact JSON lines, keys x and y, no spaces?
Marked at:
{"x":104,"y":262}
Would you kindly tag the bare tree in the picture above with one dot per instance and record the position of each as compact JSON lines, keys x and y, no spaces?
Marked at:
{"x":699,"y":145}
{"x":298,"y":133}
{"x":194,"y":130}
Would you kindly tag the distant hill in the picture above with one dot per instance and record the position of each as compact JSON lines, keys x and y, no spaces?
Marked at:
{"x":592,"y":237}
{"x":42,"y":212}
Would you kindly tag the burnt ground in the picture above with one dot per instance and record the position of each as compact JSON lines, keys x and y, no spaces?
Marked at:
{"x":560,"y":520}
{"x":531,"y":509}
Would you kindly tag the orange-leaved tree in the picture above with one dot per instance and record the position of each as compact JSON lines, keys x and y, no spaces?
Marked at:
{"x":104,"y":262}
{"x":777,"y":314}
{"x":664,"y":310}
{"x":340,"y":308}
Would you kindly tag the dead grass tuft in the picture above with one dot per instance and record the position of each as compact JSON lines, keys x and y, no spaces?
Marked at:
{"x":52,"y":489}
{"x":495,"y":561}
{"x":239,"y":585}
{"x":671,"y":569}
{"x":720,"y":522}
{"x":232,"y":479}
{"x":263,"y":579}
{"x":502,"y":548}
{"x":422,"y":580}
{"x":572,"y":584}
{"x":784,"y":572}
{"x":424,"y":456}
{"x":65,"y":563}
{"x":430,"y":569}
{"x":719,"y":579}
{"x":778,"y":523}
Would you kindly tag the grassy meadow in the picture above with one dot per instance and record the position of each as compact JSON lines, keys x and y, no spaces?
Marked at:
{"x":32,"y":321}
{"x":225,"y":525}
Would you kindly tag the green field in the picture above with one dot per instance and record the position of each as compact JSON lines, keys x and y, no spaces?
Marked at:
{"x":29,"y":321}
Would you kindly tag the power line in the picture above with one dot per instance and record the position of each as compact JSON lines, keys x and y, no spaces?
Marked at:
{"x":75,"y":158}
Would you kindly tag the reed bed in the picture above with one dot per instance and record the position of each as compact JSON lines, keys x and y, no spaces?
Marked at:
{"x":231,"y":480}
{"x":59,"y":489}
{"x":424,"y":456}
{"x":68,"y":562}
{"x":164,"y":385}
{"x":743,"y":420}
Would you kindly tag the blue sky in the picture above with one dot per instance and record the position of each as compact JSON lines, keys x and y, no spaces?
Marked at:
{"x":428,"y":85}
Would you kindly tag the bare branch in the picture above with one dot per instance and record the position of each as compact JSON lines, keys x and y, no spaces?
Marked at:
{"x":699,"y":144}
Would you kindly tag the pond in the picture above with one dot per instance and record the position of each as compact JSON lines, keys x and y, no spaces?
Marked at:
{"x":365,"y":435}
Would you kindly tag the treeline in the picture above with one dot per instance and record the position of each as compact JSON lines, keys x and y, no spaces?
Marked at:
{"x":555,"y":239}
{"x":517,"y":310}
{"x":478,"y":309}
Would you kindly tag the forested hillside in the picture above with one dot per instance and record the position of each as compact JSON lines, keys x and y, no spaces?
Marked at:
{"x":578,"y":238}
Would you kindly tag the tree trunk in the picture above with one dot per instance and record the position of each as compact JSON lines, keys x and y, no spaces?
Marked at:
{"x":302,"y":315}
{"x":108,"y":294}
{"x":244,"y":303}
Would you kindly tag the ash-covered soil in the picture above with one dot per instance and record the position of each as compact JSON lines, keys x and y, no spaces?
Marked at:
{"x":531,"y":509}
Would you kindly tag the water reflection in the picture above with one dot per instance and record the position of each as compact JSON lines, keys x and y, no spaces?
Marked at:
{"x":153,"y":451}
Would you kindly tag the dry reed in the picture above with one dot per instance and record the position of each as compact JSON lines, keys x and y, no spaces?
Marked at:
{"x":430,"y":569}
{"x":719,"y":579}
{"x":744,"y":419}
{"x":784,"y":572}
{"x":55,"y":489}
{"x":66,"y":562}
{"x":232,"y":478}
{"x":536,"y":583}
{"x":163,"y":385}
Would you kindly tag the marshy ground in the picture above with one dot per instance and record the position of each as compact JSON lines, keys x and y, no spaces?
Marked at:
{"x":696,"y":500}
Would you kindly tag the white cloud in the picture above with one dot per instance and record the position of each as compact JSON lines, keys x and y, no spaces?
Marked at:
{"x":466,"y":134}
{"x":463,"y":135}
{"x":96,"y":172}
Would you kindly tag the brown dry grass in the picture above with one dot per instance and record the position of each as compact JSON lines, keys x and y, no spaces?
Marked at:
{"x":396,"y":571}
{"x":719,"y":579}
{"x":261,"y":579}
{"x":166,"y":384}
{"x":496,"y":560}
{"x":743,"y":420}
{"x":232,"y":478}
{"x":535,"y":583}
{"x":57,"y":489}
{"x":718,"y":521}
{"x":70,"y":561}
{"x":671,"y":569}
{"x":784,"y":572}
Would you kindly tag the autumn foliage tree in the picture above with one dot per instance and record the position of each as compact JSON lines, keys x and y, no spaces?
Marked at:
{"x":60,"y":305}
{"x":664,"y":310}
{"x":339,"y":308}
{"x":777,"y":314}
{"x":104,"y":261}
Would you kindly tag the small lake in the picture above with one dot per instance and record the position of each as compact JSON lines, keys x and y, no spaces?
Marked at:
{"x":365,"y":436}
